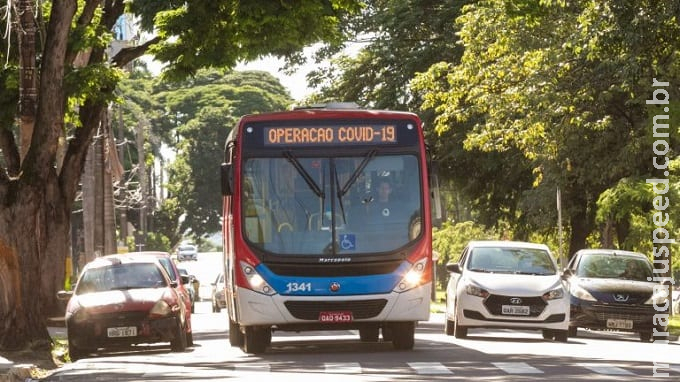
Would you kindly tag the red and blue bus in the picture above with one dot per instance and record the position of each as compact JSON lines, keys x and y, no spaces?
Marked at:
{"x":311,"y":242}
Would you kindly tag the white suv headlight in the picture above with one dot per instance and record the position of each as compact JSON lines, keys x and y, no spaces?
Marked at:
{"x":554,"y":294}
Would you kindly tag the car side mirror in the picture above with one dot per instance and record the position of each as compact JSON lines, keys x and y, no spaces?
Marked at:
{"x":454,"y":267}
{"x":64,"y":295}
{"x":185,"y":279}
{"x":567,"y":273}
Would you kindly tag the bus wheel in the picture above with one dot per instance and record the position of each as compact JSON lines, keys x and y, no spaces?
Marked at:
{"x":369,"y":334}
{"x":235,"y":335}
{"x":387,"y":334}
{"x":403,"y":334}
{"x":255,"y":339}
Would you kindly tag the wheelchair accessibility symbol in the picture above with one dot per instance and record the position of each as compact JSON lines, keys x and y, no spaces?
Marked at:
{"x":348,"y":241}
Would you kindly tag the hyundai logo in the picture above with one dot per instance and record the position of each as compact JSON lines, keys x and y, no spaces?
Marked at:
{"x":334,"y":287}
{"x":620,"y":297}
{"x":515,"y":300}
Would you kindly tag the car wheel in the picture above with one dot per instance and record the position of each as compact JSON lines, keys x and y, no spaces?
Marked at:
{"x":74,"y":352}
{"x":548,"y":334}
{"x":448,"y":327}
{"x":179,"y":343}
{"x":459,"y":331}
{"x":561,"y":335}
{"x":573,"y":331}
{"x":403,"y":335}
{"x":645,"y":336}
{"x":369,"y":334}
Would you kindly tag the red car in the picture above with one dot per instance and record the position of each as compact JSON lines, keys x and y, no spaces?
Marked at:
{"x":121,"y":300}
{"x":183,"y":282}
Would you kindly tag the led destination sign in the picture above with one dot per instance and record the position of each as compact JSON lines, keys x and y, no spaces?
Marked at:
{"x":330,"y":135}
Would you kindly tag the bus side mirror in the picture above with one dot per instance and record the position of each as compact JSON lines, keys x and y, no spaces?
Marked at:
{"x":437,"y":209}
{"x":227,"y":179}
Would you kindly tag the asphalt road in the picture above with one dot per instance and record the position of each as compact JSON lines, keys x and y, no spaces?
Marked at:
{"x":487,"y":355}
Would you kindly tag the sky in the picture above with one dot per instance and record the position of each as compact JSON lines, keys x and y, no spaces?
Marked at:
{"x":296,"y":83}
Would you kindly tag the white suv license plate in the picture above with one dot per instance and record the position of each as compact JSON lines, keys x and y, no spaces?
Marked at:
{"x":515,"y":310}
{"x":616,"y":323}
{"x":126,"y":331}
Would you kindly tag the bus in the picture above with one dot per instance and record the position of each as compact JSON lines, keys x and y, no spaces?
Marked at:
{"x":309,"y":241}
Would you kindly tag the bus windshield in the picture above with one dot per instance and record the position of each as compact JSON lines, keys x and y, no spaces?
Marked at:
{"x":349,"y":205}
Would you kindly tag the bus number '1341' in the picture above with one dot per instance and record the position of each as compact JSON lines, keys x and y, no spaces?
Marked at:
{"x":298,"y":287}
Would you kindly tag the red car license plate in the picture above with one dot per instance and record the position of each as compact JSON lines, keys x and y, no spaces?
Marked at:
{"x":126,"y":331}
{"x":335,"y":316}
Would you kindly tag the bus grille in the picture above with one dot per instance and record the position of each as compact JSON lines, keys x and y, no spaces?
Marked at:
{"x":361,"y":309}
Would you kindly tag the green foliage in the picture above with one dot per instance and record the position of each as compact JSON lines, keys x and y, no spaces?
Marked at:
{"x":153,"y":242}
{"x":194,"y":117}
{"x":222,"y":33}
{"x":566,"y":85}
{"x":451,"y":239}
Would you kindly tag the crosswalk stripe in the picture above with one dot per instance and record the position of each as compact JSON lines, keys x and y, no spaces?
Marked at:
{"x":605,"y":369}
{"x":517,"y":368}
{"x":429,"y":368}
{"x":252,"y":367}
{"x":343,"y":367}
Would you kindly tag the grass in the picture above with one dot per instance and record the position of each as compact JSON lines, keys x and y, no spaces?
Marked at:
{"x":439,"y":303}
{"x":674,"y":325}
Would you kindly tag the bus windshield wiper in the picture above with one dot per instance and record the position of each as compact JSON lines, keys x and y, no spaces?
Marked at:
{"x":305,"y":175}
{"x":356,"y":173}
{"x":339,"y":193}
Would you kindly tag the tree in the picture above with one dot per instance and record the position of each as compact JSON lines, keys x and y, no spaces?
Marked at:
{"x":76,"y":83}
{"x":565,"y":83}
{"x":211,"y":109}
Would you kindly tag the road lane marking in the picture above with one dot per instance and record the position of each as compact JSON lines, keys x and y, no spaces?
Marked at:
{"x":252,"y":367}
{"x":343,"y":367}
{"x":517,"y":368}
{"x":605,"y":369}
{"x":429,"y":368}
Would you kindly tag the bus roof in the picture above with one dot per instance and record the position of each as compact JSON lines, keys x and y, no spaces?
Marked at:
{"x":331,"y":113}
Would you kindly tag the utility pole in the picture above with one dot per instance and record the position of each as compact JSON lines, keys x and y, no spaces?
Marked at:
{"x":142,"y":182}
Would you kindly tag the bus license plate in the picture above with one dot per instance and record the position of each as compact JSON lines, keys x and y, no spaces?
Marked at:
{"x":126,"y":331}
{"x":515,"y":310}
{"x":615,"y":323}
{"x":335,"y":316}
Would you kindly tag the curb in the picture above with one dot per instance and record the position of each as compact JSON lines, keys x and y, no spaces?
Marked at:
{"x":16,"y":373}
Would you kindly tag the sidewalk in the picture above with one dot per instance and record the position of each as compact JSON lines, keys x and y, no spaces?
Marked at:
{"x":21,"y":372}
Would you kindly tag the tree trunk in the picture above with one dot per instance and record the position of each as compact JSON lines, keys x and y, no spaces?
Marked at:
{"x":28,"y":91}
{"x":580,"y":228}
{"x":34,"y":268}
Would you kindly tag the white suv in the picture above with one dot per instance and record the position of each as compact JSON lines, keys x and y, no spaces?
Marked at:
{"x":187,"y":252}
{"x":506,"y":284}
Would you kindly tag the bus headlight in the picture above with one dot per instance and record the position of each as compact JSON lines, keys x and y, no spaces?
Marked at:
{"x":256,"y":282}
{"x":413,"y":277}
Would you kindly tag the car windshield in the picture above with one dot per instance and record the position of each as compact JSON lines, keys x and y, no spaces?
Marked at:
{"x":167,"y":264}
{"x":610,"y":266}
{"x":187,"y":248}
{"x":532,"y":261}
{"x":120,"y":277}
